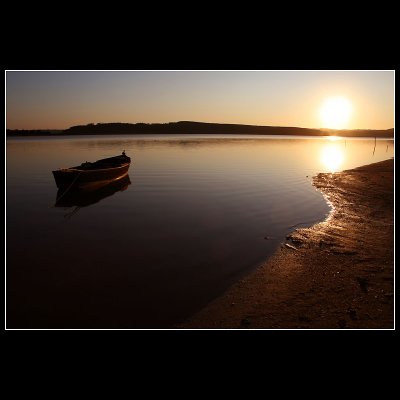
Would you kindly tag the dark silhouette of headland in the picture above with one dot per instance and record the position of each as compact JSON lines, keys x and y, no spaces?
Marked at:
{"x":190,"y":128}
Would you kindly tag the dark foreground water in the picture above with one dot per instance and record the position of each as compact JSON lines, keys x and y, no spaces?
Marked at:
{"x":191,"y":219}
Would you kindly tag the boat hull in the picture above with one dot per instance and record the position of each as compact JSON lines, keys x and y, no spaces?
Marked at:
{"x":86,"y":179}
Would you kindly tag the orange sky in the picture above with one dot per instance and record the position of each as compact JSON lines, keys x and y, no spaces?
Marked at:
{"x":58,"y":100}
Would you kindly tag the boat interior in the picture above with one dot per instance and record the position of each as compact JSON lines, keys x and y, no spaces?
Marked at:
{"x":104,"y":163}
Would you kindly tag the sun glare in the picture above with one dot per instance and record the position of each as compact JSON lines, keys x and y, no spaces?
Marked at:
{"x":335,"y":112}
{"x":332,"y":157}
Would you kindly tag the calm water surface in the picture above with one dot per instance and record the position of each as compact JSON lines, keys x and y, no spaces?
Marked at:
{"x":190,"y":220}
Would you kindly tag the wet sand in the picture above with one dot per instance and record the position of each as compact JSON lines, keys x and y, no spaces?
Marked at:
{"x":335,"y":274}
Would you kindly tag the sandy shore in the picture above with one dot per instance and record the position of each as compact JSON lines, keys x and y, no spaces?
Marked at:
{"x":336,"y":274}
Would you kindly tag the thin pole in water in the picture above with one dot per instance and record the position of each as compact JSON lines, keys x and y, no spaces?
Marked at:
{"x":374,"y":147}
{"x":69,"y":187}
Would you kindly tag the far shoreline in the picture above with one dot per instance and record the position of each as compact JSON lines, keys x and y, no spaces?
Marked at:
{"x":197,"y":128}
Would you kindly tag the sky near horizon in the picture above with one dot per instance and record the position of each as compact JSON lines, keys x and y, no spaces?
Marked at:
{"x":308,"y":99}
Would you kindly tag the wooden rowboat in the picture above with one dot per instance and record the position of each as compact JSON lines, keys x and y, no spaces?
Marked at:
{"x":93,"y":174}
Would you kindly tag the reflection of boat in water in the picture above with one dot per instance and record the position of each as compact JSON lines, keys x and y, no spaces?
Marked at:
{"x":89,"y":175}
{"x":85,"y":197}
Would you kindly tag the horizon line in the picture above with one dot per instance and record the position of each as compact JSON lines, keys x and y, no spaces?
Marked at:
{"x":199,"y":122}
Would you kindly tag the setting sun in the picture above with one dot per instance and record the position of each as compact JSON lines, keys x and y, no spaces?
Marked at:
{"x":335,"y":112}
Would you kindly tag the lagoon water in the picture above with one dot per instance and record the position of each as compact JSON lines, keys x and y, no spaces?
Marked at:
{"x":191,"y":219}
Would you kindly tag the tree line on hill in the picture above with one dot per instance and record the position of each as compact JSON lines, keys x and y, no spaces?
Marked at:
{"x":188,"y":127}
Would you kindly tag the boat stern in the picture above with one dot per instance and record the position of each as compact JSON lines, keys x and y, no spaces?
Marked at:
{"x":64,"y":177}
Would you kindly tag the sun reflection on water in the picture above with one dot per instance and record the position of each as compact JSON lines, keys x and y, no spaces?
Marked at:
{"x":332,"y":157}
{"x":333,"y":138}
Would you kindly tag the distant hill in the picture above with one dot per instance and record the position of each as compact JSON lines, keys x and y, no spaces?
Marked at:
{"x":189,"y":127}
